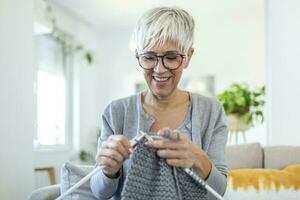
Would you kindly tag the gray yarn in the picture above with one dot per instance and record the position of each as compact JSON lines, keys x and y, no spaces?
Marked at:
{"x":151,"y":178}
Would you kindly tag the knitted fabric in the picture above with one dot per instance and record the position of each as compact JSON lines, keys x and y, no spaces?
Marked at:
{"x":151,"y":178}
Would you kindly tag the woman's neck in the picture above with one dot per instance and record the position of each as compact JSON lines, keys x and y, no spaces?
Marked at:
{"x":177,"y":97}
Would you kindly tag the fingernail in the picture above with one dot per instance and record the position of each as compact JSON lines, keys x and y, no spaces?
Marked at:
{"x":167,"y":132}
{"x":160,"y":132}
{"x":148,"y":143}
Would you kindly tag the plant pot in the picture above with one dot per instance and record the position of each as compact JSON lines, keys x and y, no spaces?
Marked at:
{"x":235,"y":124}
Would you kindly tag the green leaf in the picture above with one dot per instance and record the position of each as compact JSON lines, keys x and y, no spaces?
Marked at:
{"x":89,"y":57}
{"x":241,"y":100}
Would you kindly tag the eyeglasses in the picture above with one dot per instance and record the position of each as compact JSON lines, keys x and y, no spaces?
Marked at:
{"x":170,"y":61}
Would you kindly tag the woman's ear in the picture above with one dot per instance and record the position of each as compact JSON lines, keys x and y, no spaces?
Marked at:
{"x":189,"y":56}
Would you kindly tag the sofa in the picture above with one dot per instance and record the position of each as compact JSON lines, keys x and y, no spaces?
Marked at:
{"x":255,"y":172}
{"x":263,"y":173}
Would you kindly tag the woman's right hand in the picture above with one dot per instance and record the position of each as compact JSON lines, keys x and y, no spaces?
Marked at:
{"x":113,"y":152}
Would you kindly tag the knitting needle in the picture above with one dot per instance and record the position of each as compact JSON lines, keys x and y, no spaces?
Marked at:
{"x":132,"y":142}
{"x":203,"y":183}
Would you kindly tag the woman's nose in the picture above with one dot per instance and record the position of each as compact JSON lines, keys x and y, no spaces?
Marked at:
{"x":160,"y":68}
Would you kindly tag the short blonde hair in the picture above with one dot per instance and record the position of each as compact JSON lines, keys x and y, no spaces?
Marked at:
{"x":164,"y":24}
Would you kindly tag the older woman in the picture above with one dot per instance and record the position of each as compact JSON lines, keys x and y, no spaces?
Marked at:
{"x":164,"y":39}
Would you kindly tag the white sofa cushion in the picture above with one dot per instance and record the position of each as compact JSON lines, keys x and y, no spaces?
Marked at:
{"x":277,"y":157}
{"x":70,"y":175}
{"x":45,"y":193}
{"x":244,"y":156}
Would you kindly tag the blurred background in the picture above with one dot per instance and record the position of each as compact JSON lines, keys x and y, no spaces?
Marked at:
{"x":63,"y":61}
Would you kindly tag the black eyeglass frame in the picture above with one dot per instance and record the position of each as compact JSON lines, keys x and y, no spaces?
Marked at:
{"x":162,"y":60}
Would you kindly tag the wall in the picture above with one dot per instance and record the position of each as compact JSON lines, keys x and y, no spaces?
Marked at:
{"x":17,"y":102}
{"x":282,"y":50}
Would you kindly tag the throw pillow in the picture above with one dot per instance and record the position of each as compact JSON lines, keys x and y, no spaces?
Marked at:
{"x":70,"y":175}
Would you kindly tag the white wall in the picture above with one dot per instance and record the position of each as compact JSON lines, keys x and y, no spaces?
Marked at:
{"x":17,"y":101}
{"x":283,"y":69}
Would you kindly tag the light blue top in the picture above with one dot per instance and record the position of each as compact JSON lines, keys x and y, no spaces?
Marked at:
{"x":205,"y":123}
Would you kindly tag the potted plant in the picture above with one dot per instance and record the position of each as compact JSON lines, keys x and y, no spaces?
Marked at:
{"x":243,"y":106}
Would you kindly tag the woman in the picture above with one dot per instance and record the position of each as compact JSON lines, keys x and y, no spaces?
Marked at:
{"x":163,"y":43}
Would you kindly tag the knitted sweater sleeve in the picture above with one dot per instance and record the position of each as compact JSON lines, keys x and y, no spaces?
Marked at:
{"x":216,"y":153}
{"x":102,"y":186}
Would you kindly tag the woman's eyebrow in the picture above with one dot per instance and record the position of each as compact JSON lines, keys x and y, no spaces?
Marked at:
{"x":165,"y":52}
{"x":173,"y":51}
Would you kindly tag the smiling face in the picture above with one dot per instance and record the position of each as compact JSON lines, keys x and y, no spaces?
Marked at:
{"x":161,"y":81}
{"x":158,"y":32}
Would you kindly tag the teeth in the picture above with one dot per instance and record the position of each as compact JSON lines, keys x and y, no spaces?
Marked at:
{"x":161,"y":78}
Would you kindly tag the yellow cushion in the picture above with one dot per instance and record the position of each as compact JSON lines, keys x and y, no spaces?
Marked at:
{"x":265,"y":179}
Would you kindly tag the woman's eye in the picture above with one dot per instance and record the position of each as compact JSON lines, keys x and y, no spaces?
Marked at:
{"x":171,"y":57}
{"x":149,"y":57}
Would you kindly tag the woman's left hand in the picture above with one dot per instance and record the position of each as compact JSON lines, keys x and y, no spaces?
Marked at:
{"x":179,"y":151}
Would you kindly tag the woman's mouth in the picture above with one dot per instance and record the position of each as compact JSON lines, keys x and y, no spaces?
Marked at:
{"x":161,"y":79}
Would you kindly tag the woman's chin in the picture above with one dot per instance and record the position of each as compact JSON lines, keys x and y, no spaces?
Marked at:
{"x":162,"y":93}
{"x":162,"y":89}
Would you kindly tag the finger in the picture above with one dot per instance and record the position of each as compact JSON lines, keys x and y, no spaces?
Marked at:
{"x":123,"y":139}
{"x":170,"y":134}
{"x":107,"y":162}
{"x":164,"y":144}
{"x":118,"y":146}
{"x":168,"y":153}
{"x":175,"y":162}
{"x":165,"y":132}
{"x":112,"y":154}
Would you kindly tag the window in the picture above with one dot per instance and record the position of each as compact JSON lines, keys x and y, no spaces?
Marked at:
{"x":51,"y":93}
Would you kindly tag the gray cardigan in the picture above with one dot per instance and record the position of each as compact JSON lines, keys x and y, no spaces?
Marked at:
{"x":209,"y":131}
